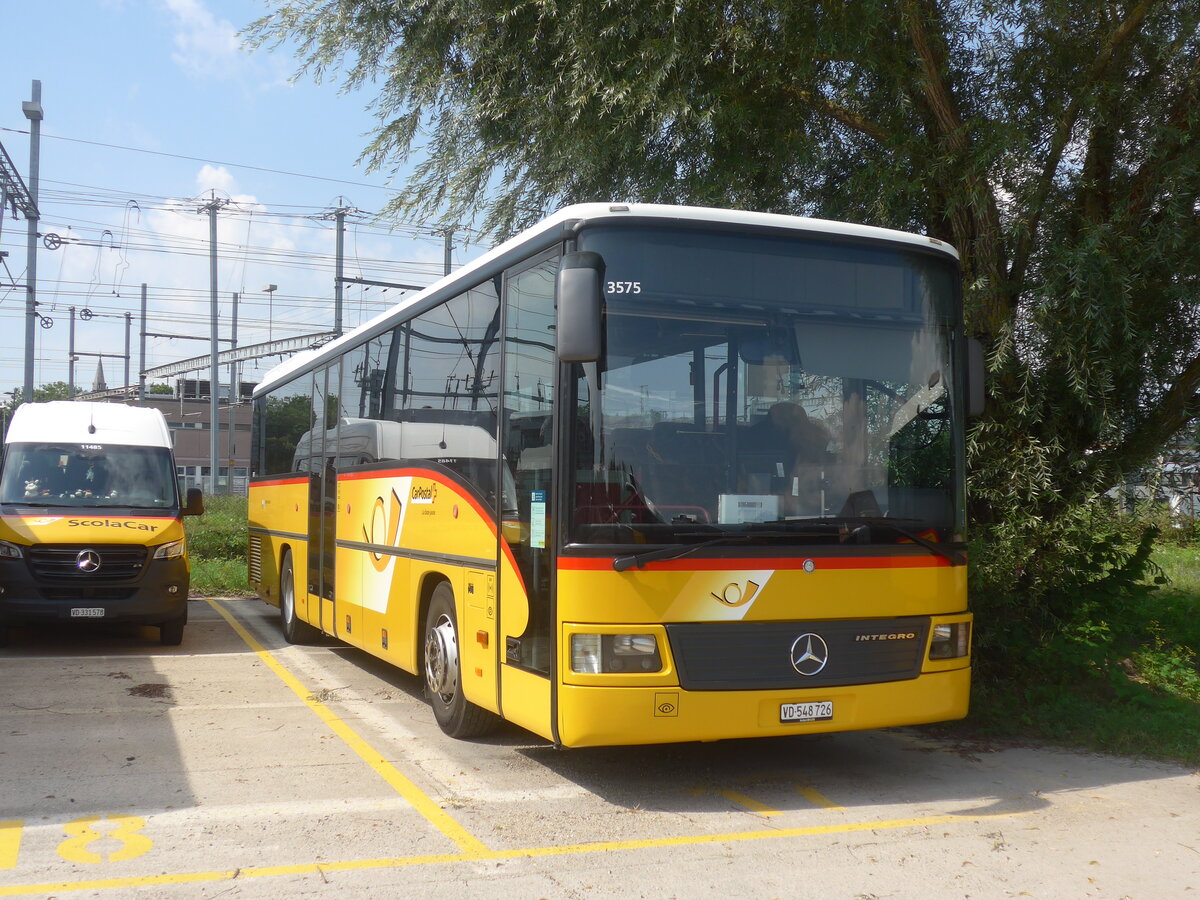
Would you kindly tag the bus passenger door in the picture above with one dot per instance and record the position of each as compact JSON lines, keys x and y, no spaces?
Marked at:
{"x":322,"y":506}
{"x":527,"y":619}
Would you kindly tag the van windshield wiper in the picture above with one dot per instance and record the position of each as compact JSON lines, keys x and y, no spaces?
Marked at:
{"x":955,"y":557}
{"x":621,"y":563}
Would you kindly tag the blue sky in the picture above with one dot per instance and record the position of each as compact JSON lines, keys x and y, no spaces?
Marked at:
{"x":151,"y":107}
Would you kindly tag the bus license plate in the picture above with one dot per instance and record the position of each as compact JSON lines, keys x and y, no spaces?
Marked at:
{"x":817,"y":711}
{"x":87,"y":612}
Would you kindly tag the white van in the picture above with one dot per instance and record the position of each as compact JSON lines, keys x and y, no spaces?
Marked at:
{"x":90,"y":519}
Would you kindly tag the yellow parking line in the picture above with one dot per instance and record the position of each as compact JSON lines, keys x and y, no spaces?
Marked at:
{"x":519,"y":853}
{"x":749,"y":803}
{"x":10,"y":842}
{"x":420,"y":801}
{"x":816,"y":798}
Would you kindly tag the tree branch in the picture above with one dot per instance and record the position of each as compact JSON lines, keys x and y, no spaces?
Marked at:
{"x":1175,"y":409}
{"x":979,"y":237}
{"x":933,"y":63}
{"x":1177,"y":119}
{"x":842,"y":114}
{"x":1062,"y":136}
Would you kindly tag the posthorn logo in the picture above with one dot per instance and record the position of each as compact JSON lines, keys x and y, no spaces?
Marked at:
{"x":810,"y":653}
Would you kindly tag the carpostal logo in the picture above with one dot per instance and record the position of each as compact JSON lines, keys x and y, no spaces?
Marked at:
{"x":111,"y":523}
{"x":423,"y":493}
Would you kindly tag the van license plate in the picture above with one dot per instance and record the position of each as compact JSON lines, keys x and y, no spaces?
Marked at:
{"x":87,"y":612}
{"x":817,"y":711}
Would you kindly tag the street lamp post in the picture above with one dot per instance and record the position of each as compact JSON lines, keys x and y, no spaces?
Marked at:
{"x":270,"y":290}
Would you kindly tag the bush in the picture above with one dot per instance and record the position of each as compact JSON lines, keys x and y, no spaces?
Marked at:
{"x":217,"y":546}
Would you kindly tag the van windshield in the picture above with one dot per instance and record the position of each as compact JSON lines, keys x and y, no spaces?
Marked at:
{"x":95,"y":475}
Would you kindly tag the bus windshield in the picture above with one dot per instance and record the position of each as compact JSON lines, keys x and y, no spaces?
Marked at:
{"x":757,"y":383}
{"x":88,"y":476}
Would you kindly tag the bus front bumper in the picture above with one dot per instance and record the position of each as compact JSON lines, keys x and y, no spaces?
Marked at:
{"x":608,"y":716}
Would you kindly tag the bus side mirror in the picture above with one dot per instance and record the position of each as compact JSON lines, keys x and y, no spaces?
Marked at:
{"x":580,"y":307}
{"x":976,"y":394}
{"x":195,"y":503}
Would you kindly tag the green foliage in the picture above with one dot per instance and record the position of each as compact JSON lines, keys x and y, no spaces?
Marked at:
{"x":54,"y":390}
{"x":160,"y":389}
{"x":1119,"y":674}
{"x":217,"y":546}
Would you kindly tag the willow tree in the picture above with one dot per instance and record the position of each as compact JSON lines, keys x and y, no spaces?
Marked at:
{"x":1053,"y":142}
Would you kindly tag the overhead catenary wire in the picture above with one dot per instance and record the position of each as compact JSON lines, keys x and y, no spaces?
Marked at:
{"x":77,"y":217}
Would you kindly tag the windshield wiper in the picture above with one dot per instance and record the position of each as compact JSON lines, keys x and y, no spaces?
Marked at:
{"x":675,"y":552}
{"x":621,"y":563}
{"x":954,"y":556}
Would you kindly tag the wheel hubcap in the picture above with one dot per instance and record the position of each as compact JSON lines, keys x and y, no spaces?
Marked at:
{"x":441,"y":658}
{"x":287,"y":600}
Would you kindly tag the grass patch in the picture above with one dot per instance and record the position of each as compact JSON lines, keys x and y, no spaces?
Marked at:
{"x":1124,"y":679}
{"x":217,"y":547}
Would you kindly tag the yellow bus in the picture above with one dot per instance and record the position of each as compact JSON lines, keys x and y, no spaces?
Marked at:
{"x":640,"y":474}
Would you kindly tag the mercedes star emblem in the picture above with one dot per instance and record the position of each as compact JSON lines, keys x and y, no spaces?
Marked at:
{"x":810,"y":653}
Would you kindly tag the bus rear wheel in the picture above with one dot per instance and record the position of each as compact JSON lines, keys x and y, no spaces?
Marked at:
{"x":295,"y":631}
{"x":455,"y":714}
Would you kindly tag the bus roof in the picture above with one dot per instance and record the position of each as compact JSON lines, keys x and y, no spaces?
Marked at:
{"x":557,"y":227}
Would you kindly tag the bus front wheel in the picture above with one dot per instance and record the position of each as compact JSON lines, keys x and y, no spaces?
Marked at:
{"x":295,"y":631}
{"x":457,"y":716}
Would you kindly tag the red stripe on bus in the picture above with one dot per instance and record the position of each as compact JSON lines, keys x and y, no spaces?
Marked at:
{"x":433,"y":476}
{"x":278,"y":481}
{"x":421,"y":473}
{"x":592,"y":564}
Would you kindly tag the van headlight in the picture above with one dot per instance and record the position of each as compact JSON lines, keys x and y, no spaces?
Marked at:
{"x":173,"y":550}
{"x":950,"y":641}
{"x":10,"y":551}
{"x":593,"y":654}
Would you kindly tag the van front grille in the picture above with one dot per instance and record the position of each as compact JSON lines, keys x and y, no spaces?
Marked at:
{"x":87,"y":564}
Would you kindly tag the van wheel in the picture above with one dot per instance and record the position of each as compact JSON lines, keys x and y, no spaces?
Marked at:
{"x":295,"y":631}
{"x":170,"y":634}
{"x":457,"y":716}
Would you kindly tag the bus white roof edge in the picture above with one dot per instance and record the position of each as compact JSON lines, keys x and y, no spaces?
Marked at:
{"x":591,"y":213}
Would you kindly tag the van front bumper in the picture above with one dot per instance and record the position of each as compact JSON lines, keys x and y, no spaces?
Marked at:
{"x":158,"y":595}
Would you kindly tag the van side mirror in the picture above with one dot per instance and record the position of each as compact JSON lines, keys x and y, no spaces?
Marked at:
{"x":580,"y":307}
{"x":195,"y":503}
{"x":976,"y":392}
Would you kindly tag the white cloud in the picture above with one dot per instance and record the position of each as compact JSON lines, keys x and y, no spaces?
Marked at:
{"x":215,"y":178}
{"x":205,"y":45}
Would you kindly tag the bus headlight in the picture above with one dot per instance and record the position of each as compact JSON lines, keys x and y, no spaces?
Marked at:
{"x":173,"y":550}
{"x":10,"y":551}
{"x":593,"y":654}
{"x":950,"y":641}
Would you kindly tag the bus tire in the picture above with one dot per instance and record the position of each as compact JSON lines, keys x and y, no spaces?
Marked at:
{"x":170,"y":633}
{"x":295,"y":631}
{"x":455,"y":714}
